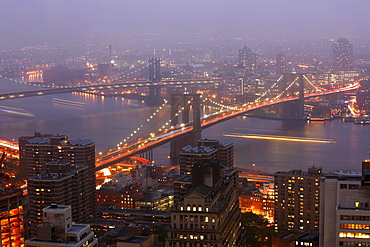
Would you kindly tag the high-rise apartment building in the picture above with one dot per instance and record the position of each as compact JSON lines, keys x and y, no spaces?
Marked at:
{"x":248,"y":60}
{"x":11,"y":217}
{"x":297,"y":197}
{"x":208,"y":214}
{"x":343,"y":55}
{"x":207,"y":149}
{"x":62,"y":184}
{"x":36,"y":151}
{"x":280,"y":65}
{"x":57,"y":229}
{"x":345,"y":208}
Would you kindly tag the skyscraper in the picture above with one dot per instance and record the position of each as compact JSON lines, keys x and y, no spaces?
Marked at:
{"x":36,"y":151}
{"x":280,"y":65}
{"x":207,"y":149}
{"x":11,"y":217}
{"x":297,"y":197}
{"x":345,"y":208}
{"x":248,"y":60}
{"x":208,"y":214}
{"x":343,"y":55}
{"x":61,"y":184}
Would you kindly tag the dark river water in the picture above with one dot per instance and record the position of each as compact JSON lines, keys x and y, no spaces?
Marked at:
{"x":271,"y":145}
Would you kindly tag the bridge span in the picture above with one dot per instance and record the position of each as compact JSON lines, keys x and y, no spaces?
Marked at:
{"x":142,"y":145}
{"x":66,"y":89}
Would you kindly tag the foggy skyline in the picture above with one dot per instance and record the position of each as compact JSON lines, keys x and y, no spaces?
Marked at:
{"x":34,"y":22}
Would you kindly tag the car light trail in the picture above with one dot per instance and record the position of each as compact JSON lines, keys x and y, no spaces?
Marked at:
{"x":280,"y":138}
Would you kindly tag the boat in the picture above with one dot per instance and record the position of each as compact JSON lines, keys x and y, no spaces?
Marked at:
{"x":16,"y":112}
{"x":362,"y":121}
{"x":320,"y":118}
{"x":350,"y":119}
{"x":68,"y":102}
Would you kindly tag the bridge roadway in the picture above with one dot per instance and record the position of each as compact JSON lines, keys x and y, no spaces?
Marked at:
{"x":147,"y":143}
{"x":66,"y":89}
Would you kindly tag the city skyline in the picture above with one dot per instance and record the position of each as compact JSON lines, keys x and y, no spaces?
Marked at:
{"x":197,"y":122}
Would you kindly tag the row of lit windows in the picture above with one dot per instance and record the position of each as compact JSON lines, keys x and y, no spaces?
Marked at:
{"x":194,"y":208}
{"x":354,"y":235}
{"x":194,"y":236}
{"x":355,"y":217}
{"x":302,"y":243}
{"x":354,"y":226}
{"x":174,"y":244}
{"x":194,"y":218}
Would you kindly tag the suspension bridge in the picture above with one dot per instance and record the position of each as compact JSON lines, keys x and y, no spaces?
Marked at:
{"x":174,"y":132}
{"x":155,"y":83}
{"x":185,"y":123}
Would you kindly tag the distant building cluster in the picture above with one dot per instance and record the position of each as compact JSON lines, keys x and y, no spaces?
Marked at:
{"x":201,"y":201}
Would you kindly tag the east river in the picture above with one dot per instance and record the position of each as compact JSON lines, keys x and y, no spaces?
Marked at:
{"x":261,"y":144}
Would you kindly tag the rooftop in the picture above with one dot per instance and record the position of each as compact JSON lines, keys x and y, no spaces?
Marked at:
{"x":46,"y":140}
{"x":225,"y":143}
{"x":78,"y":228}
{"x":55,"y":207}
{"x":198,"y":150}
{"x":201,"y":189}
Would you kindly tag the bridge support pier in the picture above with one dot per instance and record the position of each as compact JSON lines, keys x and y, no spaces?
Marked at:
{"x":155,"y":97}
{"x":184,"y":101}
{"x":147,"y":155}
{"x":154,"y":76}
{"x":294,"y":109}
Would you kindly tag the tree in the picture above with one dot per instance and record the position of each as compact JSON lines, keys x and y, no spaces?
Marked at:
{"x":258,"y":230}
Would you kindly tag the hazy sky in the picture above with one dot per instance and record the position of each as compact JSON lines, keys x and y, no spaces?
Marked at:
{"x":32,"y":21}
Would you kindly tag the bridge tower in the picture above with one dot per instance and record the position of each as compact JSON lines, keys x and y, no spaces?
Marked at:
{"x":293,"y":85}
{"x":154,"y":76}
{"x":185,"y":101}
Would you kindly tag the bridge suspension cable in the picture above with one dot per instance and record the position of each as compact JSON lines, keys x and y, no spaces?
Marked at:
{"x":268,"y":90}
{"x":132,"y":71}
{"x":143,"y":125}
{"x":149,"y":120}
{"x":286,"y":89}
{"x":316,"y":88}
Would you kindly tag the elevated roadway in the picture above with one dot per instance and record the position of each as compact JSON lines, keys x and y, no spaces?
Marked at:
{"x":66,"y":89}
{"x":147,"y":143}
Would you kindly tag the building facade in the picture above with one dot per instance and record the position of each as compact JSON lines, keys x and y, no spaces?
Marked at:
{"x":260,"y":202}
{"x":208,"y":214}
{"x":297,"y":197}
{"x":207,"y":149}
{"x":280,"y":65}
{"x":119,"y":196}
{"x":248,"y":60}
{"x":58,"y":229}
{"x":36,"y":151}
{"x":343,"y":55}
{"x":345,"y":208}
{"x":63,"y":184}
{"x":11,"y":217}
